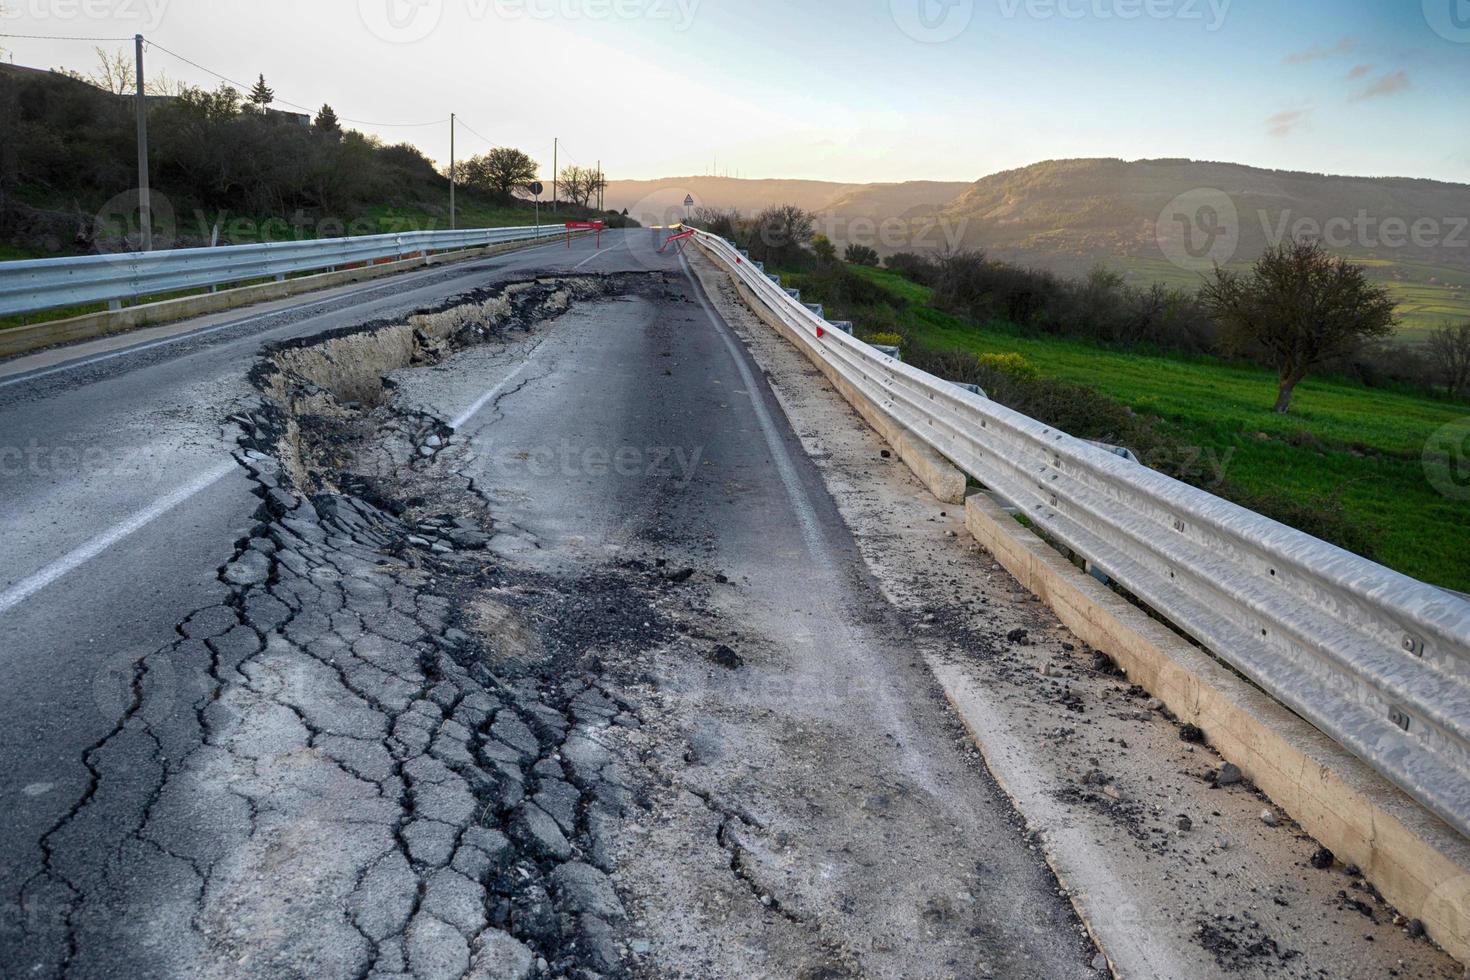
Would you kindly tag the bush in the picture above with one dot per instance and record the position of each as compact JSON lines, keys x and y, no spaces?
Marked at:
{"x":824,"y":250}
{"x":726,"y":223}
{"x":915,"y":268}
{"x":779,"y":234}
{"x":885,"y":339}
{"x":1010,"y":363}
{"x":860,"y":255}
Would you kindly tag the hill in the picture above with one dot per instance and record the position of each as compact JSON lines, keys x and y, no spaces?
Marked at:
{"x":1072,"y":215}
{"x":1069,"y":215}
{"x":662,"y":201}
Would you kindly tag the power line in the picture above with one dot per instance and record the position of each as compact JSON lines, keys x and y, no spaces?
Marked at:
{"x":62,"y":37}
{"x":466,"y":126}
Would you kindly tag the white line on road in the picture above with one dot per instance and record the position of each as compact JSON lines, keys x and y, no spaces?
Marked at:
{"x":28,"y":587}
{"x":494,"y":393}
{"x":806,"y":514}
{"x":602,"y":251}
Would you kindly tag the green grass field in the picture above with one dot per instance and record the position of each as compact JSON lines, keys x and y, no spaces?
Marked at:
{"x":1366,"y":445}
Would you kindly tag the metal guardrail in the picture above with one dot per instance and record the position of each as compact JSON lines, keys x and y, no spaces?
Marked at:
{"x":1376,"y":660}
{"x":42,"y":284}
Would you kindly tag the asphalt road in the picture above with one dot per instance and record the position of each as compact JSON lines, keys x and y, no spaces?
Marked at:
{"x":90,"y":452}
{"x":632,"y":427}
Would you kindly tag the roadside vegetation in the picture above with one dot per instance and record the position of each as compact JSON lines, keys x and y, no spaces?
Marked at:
{"x":1143,"y":368}
{"x":224,"y":162}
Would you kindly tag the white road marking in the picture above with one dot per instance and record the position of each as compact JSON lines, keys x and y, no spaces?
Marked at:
{"x":68,"y":563}
{"x":28,"y":587}
{"x":806,"y":515}
{"x":495,"y":392}
{"x":594,"y":255}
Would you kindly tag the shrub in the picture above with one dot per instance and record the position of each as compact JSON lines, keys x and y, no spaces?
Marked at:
{"x":885,"y":339}
{"x":860,"y":255}
{"x":1010,"y":363}
{"x":915,"y":268}
{"x":824,"y":250}
{"x":778,"y":235}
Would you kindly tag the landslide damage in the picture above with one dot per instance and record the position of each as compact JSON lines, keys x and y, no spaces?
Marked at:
{"x":491,"y":689}
{"x":383,"y":753}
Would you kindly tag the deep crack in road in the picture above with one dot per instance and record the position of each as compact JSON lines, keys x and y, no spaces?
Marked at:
{"x":594,"y":685}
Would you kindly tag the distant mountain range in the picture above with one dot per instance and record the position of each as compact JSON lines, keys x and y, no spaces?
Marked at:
{"x":1154,"y":220}
{"x":662,"y":201}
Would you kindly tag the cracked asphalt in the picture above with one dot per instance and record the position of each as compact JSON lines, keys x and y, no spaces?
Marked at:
{"x":518,"y":638}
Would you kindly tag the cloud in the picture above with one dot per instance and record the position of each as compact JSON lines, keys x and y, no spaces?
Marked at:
{"x":1360,"y":71}
{"x":1387,"y":85}
{"x":1285,"y":123}
{"x":1319,"y":53}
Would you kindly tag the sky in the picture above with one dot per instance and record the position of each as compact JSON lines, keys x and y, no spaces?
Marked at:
{"x":853,"y":91}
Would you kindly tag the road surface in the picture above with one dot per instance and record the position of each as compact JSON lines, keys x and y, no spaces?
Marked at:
{"x":191,"y":793}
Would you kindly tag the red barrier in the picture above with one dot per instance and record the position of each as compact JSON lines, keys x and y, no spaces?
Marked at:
{"x":676,"y":238}
{"x":585,"y":226}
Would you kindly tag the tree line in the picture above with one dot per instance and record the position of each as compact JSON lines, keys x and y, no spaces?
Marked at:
{"x":70,"y":145}
{"x":1299,"y":310}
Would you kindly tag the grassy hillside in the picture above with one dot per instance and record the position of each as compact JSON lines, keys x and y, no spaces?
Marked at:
{"x":67,"y":177}
{"x":1344,"y":446}
{"x":1069,"y":215}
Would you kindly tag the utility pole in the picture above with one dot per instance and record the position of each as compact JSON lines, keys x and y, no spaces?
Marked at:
{"x":451,"y":172}
{"x":555,"y":173}
{"x":145,"y":195}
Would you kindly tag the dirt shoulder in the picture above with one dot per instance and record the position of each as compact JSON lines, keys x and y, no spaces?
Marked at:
{"x":1175,"y":873}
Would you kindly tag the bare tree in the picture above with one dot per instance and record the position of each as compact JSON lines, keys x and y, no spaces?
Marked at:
{"x":116,"y":72}
{"x":1449,"y":347}
{"x":1299,"y":306}
{"x":578,"y":184}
